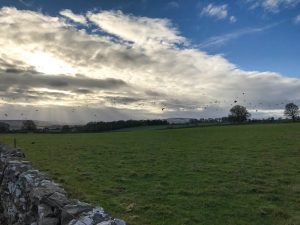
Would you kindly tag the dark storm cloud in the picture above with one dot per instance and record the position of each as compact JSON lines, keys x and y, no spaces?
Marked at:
{"x":82,"y":91}
{"x":14,"y":77}
{"x":20,"y":95}
{"x":154,"y":93}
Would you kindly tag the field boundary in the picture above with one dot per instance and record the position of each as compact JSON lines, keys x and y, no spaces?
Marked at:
{"x":28,"y":196}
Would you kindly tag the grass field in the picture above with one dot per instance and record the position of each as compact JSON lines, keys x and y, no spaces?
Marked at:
{"x":231,"y":175}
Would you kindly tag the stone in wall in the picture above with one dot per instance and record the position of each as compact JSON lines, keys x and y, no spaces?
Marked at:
{"x":29,"y":197}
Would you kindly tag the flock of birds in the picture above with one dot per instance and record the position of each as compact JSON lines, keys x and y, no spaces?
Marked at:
{"x":214,"y":104}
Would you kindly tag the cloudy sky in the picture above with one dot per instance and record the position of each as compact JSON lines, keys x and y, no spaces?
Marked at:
{"x":80,"y":61}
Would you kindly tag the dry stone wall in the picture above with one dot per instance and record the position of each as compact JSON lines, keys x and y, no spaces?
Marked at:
{"x":29,"y":197}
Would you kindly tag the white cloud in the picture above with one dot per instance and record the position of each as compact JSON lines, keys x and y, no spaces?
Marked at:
{"x":218,"y":11}
{"x":222,"y":39}
{"x":273,"y":5}
{"x":140,"y":30}
{"x":297,"y":19}
{"x":122,"y":80}
{"x":232,"y":19}
{"x":76,"y":18}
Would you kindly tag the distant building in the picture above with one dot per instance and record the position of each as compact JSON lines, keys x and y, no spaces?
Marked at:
{"x":179,"y":120}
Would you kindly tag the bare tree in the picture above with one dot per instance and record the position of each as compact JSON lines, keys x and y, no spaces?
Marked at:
{"x":291,"y":110}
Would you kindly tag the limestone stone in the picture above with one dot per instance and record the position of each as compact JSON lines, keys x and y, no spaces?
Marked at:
{"x":119,"y":222}
{"x":48,"y":221}
{"x":29,"y":197}
{"x":70,"y":212}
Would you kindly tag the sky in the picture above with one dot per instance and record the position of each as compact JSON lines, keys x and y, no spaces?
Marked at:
{"x":104,"y":60}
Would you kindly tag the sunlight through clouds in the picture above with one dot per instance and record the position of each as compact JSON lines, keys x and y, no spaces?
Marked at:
{"x":131,"y":64}
{"x":45,"y":63}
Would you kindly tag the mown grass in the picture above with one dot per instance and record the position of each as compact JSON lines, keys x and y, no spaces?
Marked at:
{"x":227,"y":175}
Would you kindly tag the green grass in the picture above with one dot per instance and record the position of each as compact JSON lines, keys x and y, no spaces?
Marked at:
{"x":247,"y":174}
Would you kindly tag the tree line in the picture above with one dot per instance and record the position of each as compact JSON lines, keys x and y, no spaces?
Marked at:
{"x":30,"y":126}
{"x":116,"y":125}
{"x":238,"y":114}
